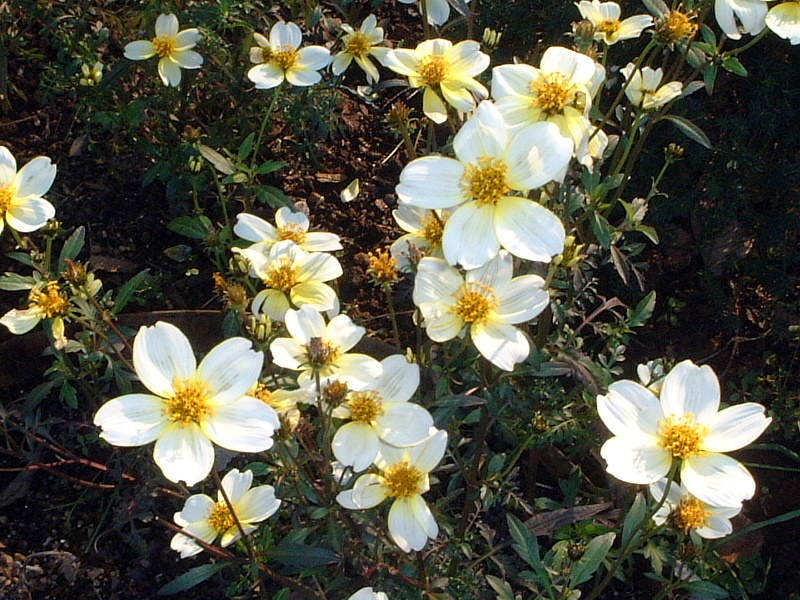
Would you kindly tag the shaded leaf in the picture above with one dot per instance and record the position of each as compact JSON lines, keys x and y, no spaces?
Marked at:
{"x":596,"y":551}
{"x":191,"y":578}
{"x":691,"y":130}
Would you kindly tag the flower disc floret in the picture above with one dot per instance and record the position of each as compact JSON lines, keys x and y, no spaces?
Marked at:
{"x":220,"y":517}
{"x":357,"y":44}
{"x":551,"y":92}
{"x":475,"y":302}
{"x":433,"y":69}
{"x":293,"y":232}
{"x":286,"y":57}
{"x":164,"y":45}
{"x":682,"y":437}
{"x":51,"y":302}
{"x":365,"y":406}
{"x":486,"y":182}
{"x":402,"y":480}
{"x":690,"y":514}
{"x":190,"y":402}
{"x":6,"y":195}
{"x":281,"y":275}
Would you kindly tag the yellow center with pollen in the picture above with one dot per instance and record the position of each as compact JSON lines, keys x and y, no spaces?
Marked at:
{"x":292,"y":231}
{"x":321,"y":354}
{"x":281,"y":275}
{"x":164,"y":45}
{"x":608,"y":26}
{"x":551,"y":93}
{"x":433,"y":69}
{"x":486,"y":182}
{"x":690,"y":514}
{"x":356,"y":44}
{"x":475,"y":301}
{"x":683,"y":438}
{"x":285,"y":57}
{"x":678,"y":26}
{"x":365,"y":406}
{"x":335,"y":393}
{"x":50,"y":302}
{"x":402,"y":480}
{"x":432,"y":230}
{"x":190,"y":402}
{"x":220,"y":517}
{"x":7,"y":194}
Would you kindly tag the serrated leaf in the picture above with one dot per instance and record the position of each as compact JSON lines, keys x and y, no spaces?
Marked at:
{"x":643,"y":311}
{"x":221,"y":164}
{"x":733,"y":65}
{"x":301,"y":555}
{"x":246,"y":146}
{"x":72,"y":247}
{"x":133,"y":286}
{"x":196,"y":228}
{"x":596,"y":551}
{"x":14,"y":282}
{"x":691,"y":130}
{"x":635,"y":515}
{"x":191,"y":578}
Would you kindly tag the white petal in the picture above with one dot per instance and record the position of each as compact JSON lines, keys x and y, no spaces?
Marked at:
{"x":466,"y":59}
{"x":319,"y":267}
{"x":167,"y":25}
{"x":131,"y":420}
{"x":536,"y":154}
{"x":235,"y":483}
{"x":288,"y":353}
{"x":521,"y":299}
{"x":429,"y":453}
{"x":431,"y":182}
{"x":689,"y":389}
{"x":29,"y":214}
{"x":35,"y":178}
{"x":399,"y":380}
{"x":433,"y":106}
{"x":258,"y":504}
{"x":187,"y":39}
{"x":272,"y":303}
{"x":8,"y":165}
{"x":306,"y":323}
{"x":254,"y":229}
{"x":358,"y":369}
{"x":285,"y":34}
{"x":196,"y":508}
{"x":187,"y":59}
{"x":314,"y":57}
{"x":424,"y":516}
{"x":527,"y":229}
{"x":469,"y":236}
{"x":320,"y":296}
{"x":406,"y":532}
{"x":246,"y":425}
{"x":162,"y":354}
{"x":717,"y":479}
{"x":355,"y":444}
{"x":368,"y":491}
{"x":577,"y":67}
{"x":501,"y":344}
{"x":436,"y":281}
{"x":184,"y":454}
{"x":266,"y":76}
{"x":438,"y":11}
{"x":630,"y":409}
{"x":169,"y":72}
{"x":403,"y":424}
{"x":483,"y":135}
{"x":231,"y":368}
{"x":21,"y":321}
{"x":635,"y":461}
{"x":441,"y":323}
{"x":512,"y":80}
{"x":342,"y":332}
{"x":141,"y":50}
{"x":302,"y":77}
{"x":735,"y":427}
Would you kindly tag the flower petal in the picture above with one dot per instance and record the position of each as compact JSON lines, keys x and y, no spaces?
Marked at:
{"x":403,"y":424}
{"x":431,"y":182}
{"x":184,"y":454}
{"x":187,"y":39}
{"x":35,"y":178}
{"x":433,"y":106}
{"x":196,"y":508}
{"x":167,"y":25}
{"x":8,"y":165}
{"x":131,"y":420}
{"x":302,"y":77}
{"x":689,"y":389}
{"x":469,"y":235}
{"x":235,"y":483}
{"x":141,"y":50}
{"x":436,"y":281}
{"x":527,"y":229}
{"x":501,"y":344}
{"x":355,"y":444}
{"x":162,"y":354}
{"x":231,"y":368}
{"x":368,"y":491}
{"x":717,"y":479}
{"x":266,"y":76}
{"x":521,"y":299}
{"x":536,"y":154}
{"x":399,"y":380}
{"x":634,"y":460}
{"x":187,"y":59}
{"x":258,"y":504}
{"x":169,"y":72}
{"x":29,"y":214}
{"x":246,"y":425}
{"x":21,"y":321}
{"x":735,"y":427}
{"x":406,"y":532}
{"x":630,"y":410}
{"x":254,"y":229}
{"x":483,"y":135}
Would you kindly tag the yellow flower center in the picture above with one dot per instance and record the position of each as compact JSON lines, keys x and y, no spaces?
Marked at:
{"x":292,"y":231}
{"x":682,"y":437}
{"x":281,"y":275}
{"x":608,"y":26}
{"x":552,"y":93}
{"x":365,"y":406}
{"x":189,"y":402}
{"x":475,"y":301}
{"x":486,"y":181}
{"x":321,"y":354}
{"x":402,"y":480}
{"x":690,"y":514}
{"x":266,"y":54}
{"x":50,"y":301}
{"x":220,"y":517}
{"x":677,"y":27}
{"x":383,"y":267}
{"x":164,"y":45}
{"x":432,"y":230}
{"x":7,"y":194}
{"x":334,"y":393}
{"x":433,"y":69}
{"x":356,"y":44}
{"x":285,"y":57}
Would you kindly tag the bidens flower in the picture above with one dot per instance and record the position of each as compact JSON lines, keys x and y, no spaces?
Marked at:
{"x":173,"y":47}
{"x":425,"y":229}
{"x":685,"y":512}
{"x":438,"y":10}
{"x":607,"y":26}
{"x":682,"y":424}
{"x":282,"y":58}
{"x":21,"y":202}
{"x":360,"y":46}
{"x":367,"y":593}
{"x":190,"y":406}
{"x":208,"y":520}
{"x":289,"y":225}
{"x":45,"y":301}
{"x":736,"y":17}
{"x":784,"y":20}
{"x":645,"y":90}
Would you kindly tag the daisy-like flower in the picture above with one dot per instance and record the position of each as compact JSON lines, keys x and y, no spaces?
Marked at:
{"x":206,"y":519}
{"x":190,"y":406}
{"x":404,"y":478}
{"x":289,"y":225}
{"x":438,"y":10}
{"x":444,"y":71}
{"x":487,"y":169}
{"x":319,"y":348}
{"x":360,"y":46}
{"x":293,"y":278}
{"x":284,"y":402}
{"x":45,"y":301}
{"x":691,"y":515}
{"x":367,"y":593}
{"x":489,"y":302}
{"x":645,"y":90}
{"x":784,"y":20}
{"x":608,"y":28}
{"x":381,"y":411}
{"x":683,"y":424}
{"x":282,"y":58}
{"x":425,"y":228}
{"x":736,"y":17}
{"x":173,"y":48}
{"x":21,"y":202}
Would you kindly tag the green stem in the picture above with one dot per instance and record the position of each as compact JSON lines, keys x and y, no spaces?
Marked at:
{"x":263,"y":129}
{"x":387,"y":288}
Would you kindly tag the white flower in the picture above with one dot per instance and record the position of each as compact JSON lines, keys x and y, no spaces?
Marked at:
{"x":784,"y":20}
{"x":319,"y":348}
{"x":208,"y":520}
{"x":403,"y":477}
{"x":282,"y":58}
{"x":479,"y":182}
{"x":438,"y":10}
{"x":173,"y":47}
{"x":21,"y":202}
{"x":489,"y":302}
{"x":682,"y":424}
{"x":444,"y":71}
{"x":608,"y":27}
{"x":45,"y":301}
{"x":651,"y":375}
{"x":381,"y":410}
{"x":367,"y":593}
{"x":736,"y":17}
{"x":425,"y":228}
{"x":190,"y":406}
{"x":361,"y":45}
{"x":289,"y":225}
{"x":688,"y":513}
{"x":645,"y":90}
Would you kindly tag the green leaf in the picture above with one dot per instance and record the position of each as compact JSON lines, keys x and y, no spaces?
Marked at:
{"x":709,"y":77}
{"x":247,"y":146}
{"x":134,"y":285}
{"x":691,"y":130}
{"x":635,"y":516}
{"x":72,"y":247}
{"x":221,"y":164}
{"x":602,"y":230}
{"x":706,"y":589}
{"x":528,"y":549}
{"x":657,"y":8}
{"x":14,"y":282}
{"x":68,"y":395}
{"x":272,"y":196}
{"x":732,"y":65}
{"x":504,"y":591}
{"x":269,"y":167}
{"x":301,"y":555}
{"x":596,"y":551}
{"x":22,"y":257}
{"x":196,"y":228}
{"x":643,"y":311}
{"x":191,"y":578}
{"x":708,"y":35}
{"x":231,"y":324}
{"x":649,"y":231}
{"x":179,"y":253}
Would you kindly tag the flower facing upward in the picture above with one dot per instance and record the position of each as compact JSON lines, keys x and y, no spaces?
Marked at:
{"x":190,"y":406}
{"x":173,"y":48}
{"x":404,"y":478}
{"x":424,"y":228}
{"x":645,"y":90}
{"x":607,"y":25}
{"x":45,"y":301}
{"x":289,"y":225}
{"x":282,"y":58}
{"x":444,"y":71}
{"x":206,"y":519}
{"x":784,"y":20}
{"x":21,"y":202}
{"x":360,"y":46}
{"x":687,"y":513}
{"x":683,"y":424}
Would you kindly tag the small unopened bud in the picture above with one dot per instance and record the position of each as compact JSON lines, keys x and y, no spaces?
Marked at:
{"x":583,"y":33}
{"x":491,"y":38}
{"x":75,"y":273}
{"x":195,"y":164}
{"x":260,"y":327}
{"x":674,"y":152}
{"x":576,"y":550}
{"x":398,"y":116}
{"x":539,"y":422}
{"x":335,"y":393}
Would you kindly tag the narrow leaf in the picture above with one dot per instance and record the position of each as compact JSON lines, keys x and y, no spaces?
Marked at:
{"x":691,"y":130}
{"x":596,"y":551}
{"x":72,"y":247}
{"x":191,"y":578}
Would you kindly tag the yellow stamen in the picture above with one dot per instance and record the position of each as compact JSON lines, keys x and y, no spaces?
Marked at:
{"x":335,"y":393}
{"x":220,"y":517}
{"x":475,"y":301}
{"x":356,"y":44}
{"x":402,"y":480}
{"x":164,"y":45}
{"x":433,"y":69}
{"x":281,"y":275}
{"x":486,"y":182}
{"x":690,"y":514}
{"x":7,"y":194}
{"x":292,"y":231}
{"x":552,"y":93}
{"x":365,"y":406}
{"x":677,"y":27}
{"x":50,"y":302}
{"x":433,"y":230}
{"x":189,"y":402}
{"x":382,"y":267}
{"x":682,"y":437}
{"x":285,"y":57}
{"x":608,"y":26}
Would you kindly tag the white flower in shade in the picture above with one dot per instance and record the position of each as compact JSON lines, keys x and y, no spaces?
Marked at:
{"x":45,"y":301}
{"x":173,"y":48}
{"x":404,"y":478}
{"x":686,"y":512}
{"x":608,"y":28}
{"x":284,"y":402}
{"x":425,"y":228}
{"x":289,"y":225}
{"x":21,"y":202}
{"x":438,"y":10}
{"x":206,"y":519}
{"x":444,"y":71}
{"x":682,"y":424}
{"x":293,"y":278}
{"x":282,"y":58}
{"x":645,"y":90}
{"x":360,"y":46}
{"x":367,"y":593}
{"x":736,"y":17}
{"x":382,"y":411}
{"x":479,"y":182}
{"x":784,"y":20}
{"x":489,"y":302}
{"x":316,"y":347}
{"x":190,"y":406}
